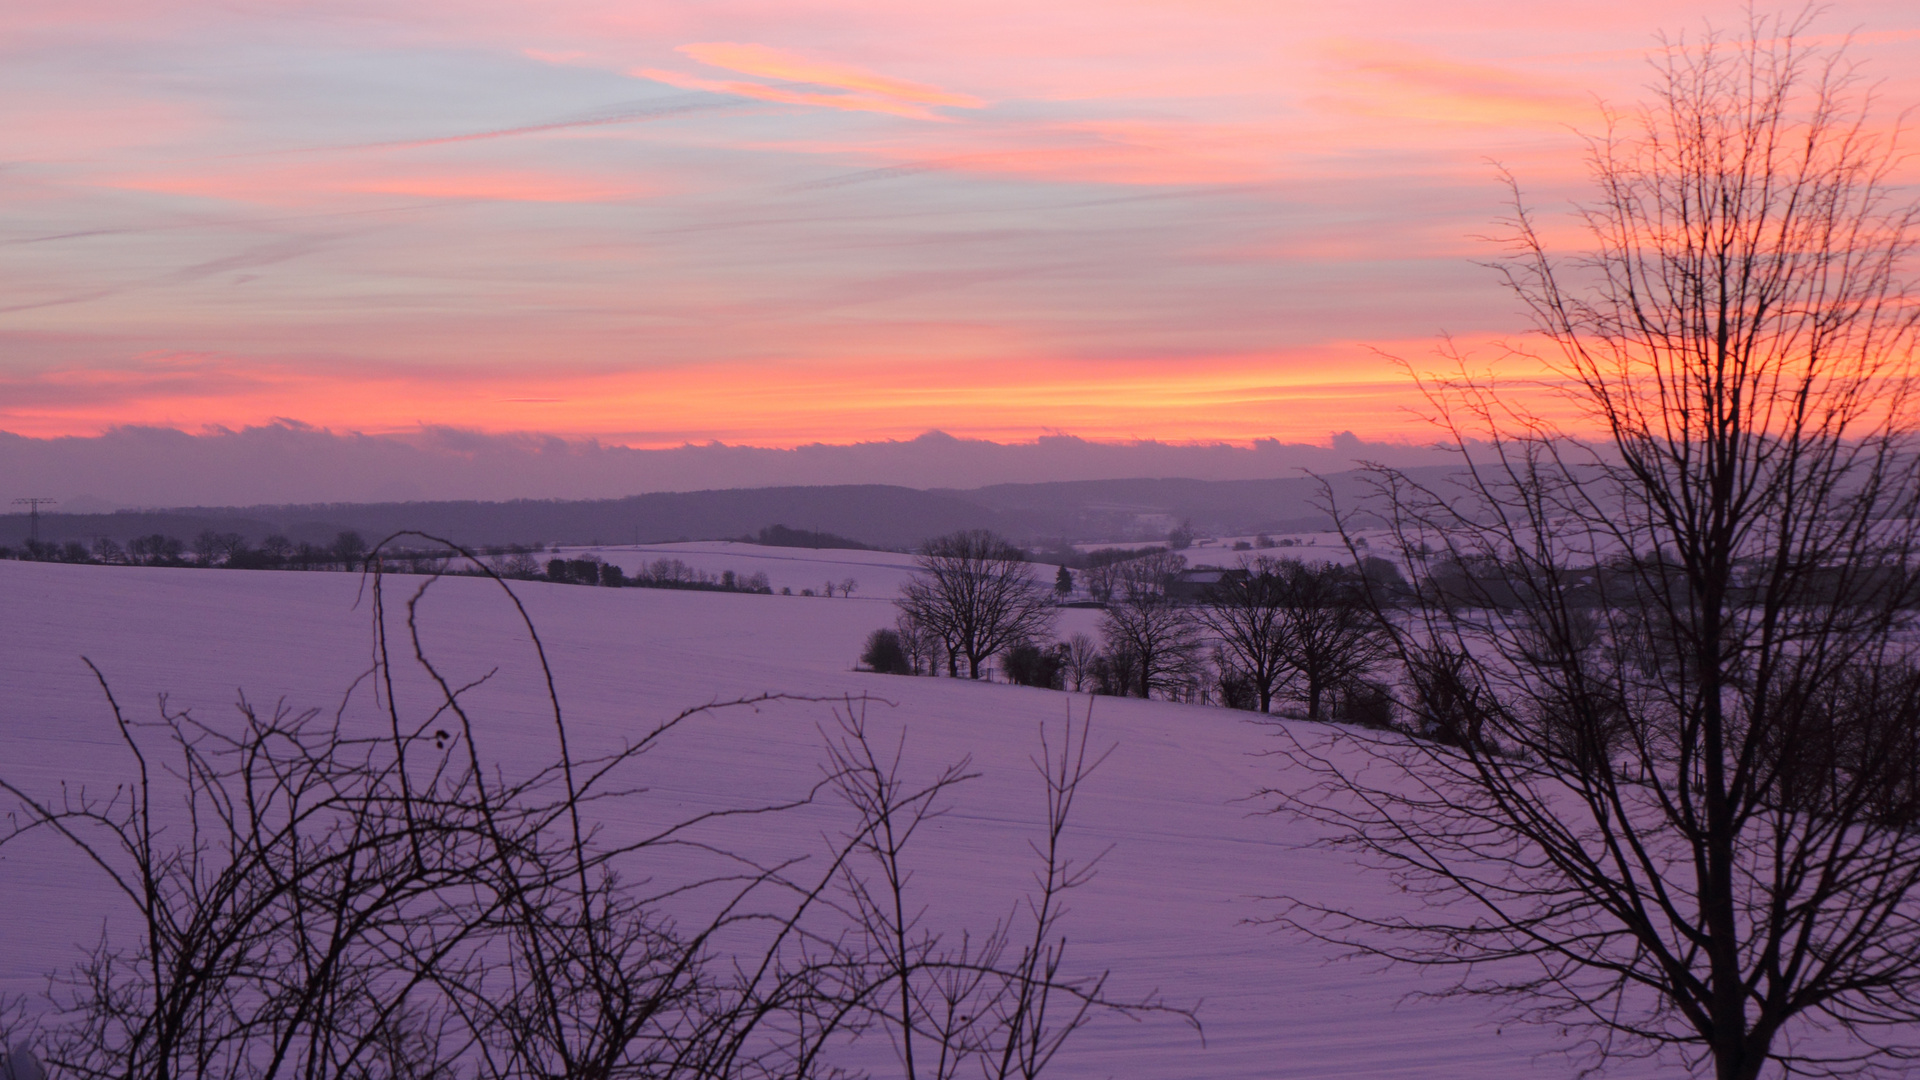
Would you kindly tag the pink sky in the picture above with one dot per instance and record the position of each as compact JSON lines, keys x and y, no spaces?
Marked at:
{"x":777,"y":223}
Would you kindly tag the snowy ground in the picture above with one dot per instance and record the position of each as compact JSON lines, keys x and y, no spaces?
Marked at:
{"x":879,"y":573}
{"x":1303,"y":546}
{"x":1170,"y":909}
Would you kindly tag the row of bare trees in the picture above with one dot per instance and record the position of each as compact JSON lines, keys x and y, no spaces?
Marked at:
{"x":1270,"y":627}
{"x":1268,"y":630}
{"x":347,"y":551}
{"x":372,"y":894}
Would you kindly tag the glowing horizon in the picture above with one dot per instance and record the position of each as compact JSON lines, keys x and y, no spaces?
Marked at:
{"x":775,"y":224}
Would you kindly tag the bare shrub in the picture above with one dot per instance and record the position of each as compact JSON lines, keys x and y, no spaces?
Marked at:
{"x":315,"y":899}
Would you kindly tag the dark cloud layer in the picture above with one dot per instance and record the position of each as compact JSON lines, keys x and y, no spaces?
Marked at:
{"x":293,"y":463}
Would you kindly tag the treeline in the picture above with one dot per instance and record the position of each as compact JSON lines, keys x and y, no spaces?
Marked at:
{"x":230,"y":550}
{"x":659,"y":574}
{"x":1060,"y":552}
{"x":782,"y":536}
{"x":874,"y":514}
{"x":1309,"y":639}
{"x":1302,"y":634}
{"x":350,"y":552}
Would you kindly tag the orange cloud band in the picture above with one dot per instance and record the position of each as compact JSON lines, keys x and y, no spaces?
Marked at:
{"x":1300,"y":396}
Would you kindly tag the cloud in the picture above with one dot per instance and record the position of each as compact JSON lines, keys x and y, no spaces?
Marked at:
{"x":564,"y":57}
{"x":1116,"y":152}
{"x":1163,"y":219}
{"x":979,"y":392}
{"x":1387,"y":79}
{"x":771,"y":63}
{"x":303,"y":185}
{"x":291,"y":462}
{"x":855,"y":89}
{"x":624,"y":115}
{"x":498,"y":185}
{"x":759,"y":91}
{"x":1137,"y":152}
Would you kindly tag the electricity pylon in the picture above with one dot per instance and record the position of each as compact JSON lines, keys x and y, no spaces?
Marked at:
{"x":33,"y":516}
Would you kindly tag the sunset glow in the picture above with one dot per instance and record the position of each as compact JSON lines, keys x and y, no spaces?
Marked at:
{"x":776,"y":223}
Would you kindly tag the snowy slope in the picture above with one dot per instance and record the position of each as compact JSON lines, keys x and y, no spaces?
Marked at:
{"x":879,"y":573}
{"x":1190,"y":858}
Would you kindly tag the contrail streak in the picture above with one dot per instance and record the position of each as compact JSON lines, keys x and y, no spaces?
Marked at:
{"x":628,"y":116}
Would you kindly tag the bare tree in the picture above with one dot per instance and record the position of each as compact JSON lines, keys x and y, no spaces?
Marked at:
{"x":204,"y":546}
{"x":1325,"y":632}
{"x":979,"y":594}
{"x":350,"y":550}
{"x":1100,"y":579}
{"x":518,"y":565}
{"x":108,"y":550}
{"x":1244,"y":613}
{"x":1676,"y":806}
{"x":1082,"y":653}
{"x":1157,"y":637}
{"x":921,"y":644}
{"x":154,"y":550}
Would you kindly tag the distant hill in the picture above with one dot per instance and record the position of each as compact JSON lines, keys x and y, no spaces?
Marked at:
{"x":1131,"y":509}
{"x":286,"y":463}
{"x":876,"y":515}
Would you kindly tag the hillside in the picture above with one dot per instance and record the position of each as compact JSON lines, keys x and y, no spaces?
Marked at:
{"x":882,"y":516}
{"x":872,"y":514}
{"x":1169,"y":910}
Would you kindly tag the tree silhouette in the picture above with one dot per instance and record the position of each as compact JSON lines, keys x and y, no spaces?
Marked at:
{"x":1675,"y":804}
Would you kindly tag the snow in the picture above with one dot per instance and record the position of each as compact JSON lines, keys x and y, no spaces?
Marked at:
{"x":1191,"y":857}
{"x":880,"y":573}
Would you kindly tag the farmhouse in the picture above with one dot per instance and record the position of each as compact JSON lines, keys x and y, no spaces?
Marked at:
{"x":1194,"y":585}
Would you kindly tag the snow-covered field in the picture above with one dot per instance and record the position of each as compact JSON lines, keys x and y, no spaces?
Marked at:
{"x":1190,"y":862}
{"x":879,"y":573}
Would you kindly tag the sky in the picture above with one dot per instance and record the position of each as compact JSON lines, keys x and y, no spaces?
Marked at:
{"x":778,"y":223}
